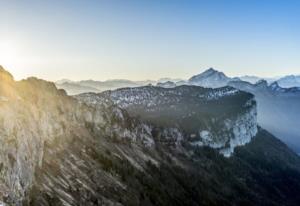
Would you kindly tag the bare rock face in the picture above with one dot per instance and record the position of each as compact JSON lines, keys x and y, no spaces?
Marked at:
{"x":190,"y":114}
{"x":278,"y":109}
{"x":30,"y":116}
{"x":37,"y":119}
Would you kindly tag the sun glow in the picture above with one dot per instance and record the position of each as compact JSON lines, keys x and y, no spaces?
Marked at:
{"x":8,"y":53}
{"x":10,"y":56}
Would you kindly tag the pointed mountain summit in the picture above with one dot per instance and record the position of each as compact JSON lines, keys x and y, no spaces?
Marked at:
{"x":210,"y":78}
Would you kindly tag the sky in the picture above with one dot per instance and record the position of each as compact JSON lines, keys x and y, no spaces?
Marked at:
{"x":148,"y":39}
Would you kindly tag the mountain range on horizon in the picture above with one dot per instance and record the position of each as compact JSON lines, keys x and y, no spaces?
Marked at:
{"x":77,"y":87}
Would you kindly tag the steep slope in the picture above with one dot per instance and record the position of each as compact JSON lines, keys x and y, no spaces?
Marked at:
{"x":278,"y":109}
{"x":38,"y":120}
{"x":221,"y":118}
{"x":26,"y":124}
{"x":264,"y":172}
{"x":60,"y":150}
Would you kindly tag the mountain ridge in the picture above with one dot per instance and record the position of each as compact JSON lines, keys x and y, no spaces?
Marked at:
{"x":63,"y":150}
{"x":159,"y":106}
{"x":210,"y":78}
{"x":76,"y":87}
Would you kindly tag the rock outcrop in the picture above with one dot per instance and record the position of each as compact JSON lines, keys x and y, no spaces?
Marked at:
{"x":178,"y":108}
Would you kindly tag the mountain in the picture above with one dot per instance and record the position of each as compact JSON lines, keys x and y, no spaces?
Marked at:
{"x":74,"y":88}
{"x":114,"y":148}
{"x":193,"y":113}
{"x":109,"y":84}
{"x":190,"y":118}
{"x":170,"y":84}
{"x":285,"y":82}
{"x":77,"y":87}
{"x":214,"y":79}
{"x":164,"y":80}
{"x":254,"y":79}
{"x":278,"y":109}
{"x":250,"y":79}
{"x":62,"y":81}
{"x":210,"y":78}
{"x":289,"y":81}
{"x":167,"y":84}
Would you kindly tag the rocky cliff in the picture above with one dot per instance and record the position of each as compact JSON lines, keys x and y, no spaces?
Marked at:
{"x":278,"y":109}
{"x":220,"y":118}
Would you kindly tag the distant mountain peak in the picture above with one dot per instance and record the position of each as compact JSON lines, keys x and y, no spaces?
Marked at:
{"x":211,"y":71}
{"x":210,"y":78}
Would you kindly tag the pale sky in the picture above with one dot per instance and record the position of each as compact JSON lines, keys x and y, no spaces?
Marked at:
{"x":137,"y":40}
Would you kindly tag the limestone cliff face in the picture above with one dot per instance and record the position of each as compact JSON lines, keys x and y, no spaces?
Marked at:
{"x":243,"y":129}
{"x":36,"y":118}
{"x":233,"y":132}
{"x":35,"y":114}
{"x":222,"y":118}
